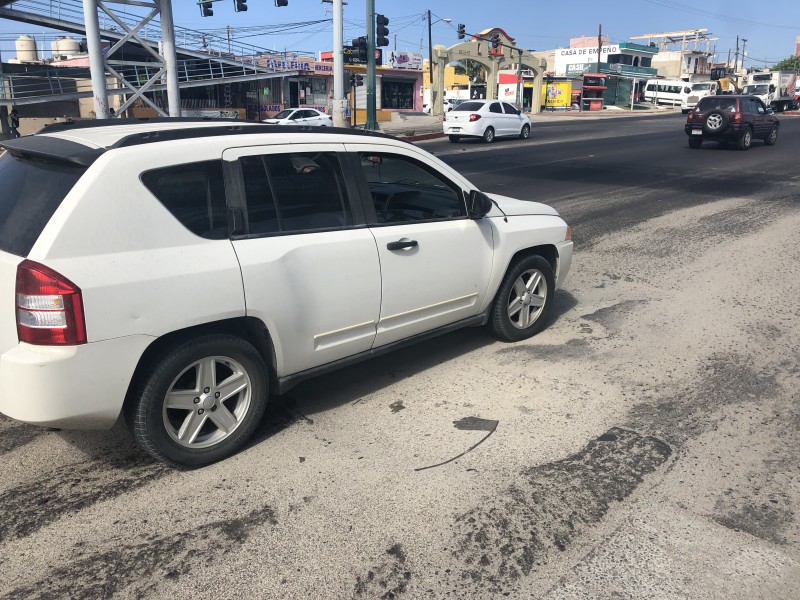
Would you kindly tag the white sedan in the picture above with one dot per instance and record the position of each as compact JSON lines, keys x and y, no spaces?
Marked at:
{"x":486,"y":119}
{"x":301,"y":116}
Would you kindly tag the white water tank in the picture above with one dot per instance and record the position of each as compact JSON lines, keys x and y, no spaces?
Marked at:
{"x":65,"y":46}
{"x":26,"y":49}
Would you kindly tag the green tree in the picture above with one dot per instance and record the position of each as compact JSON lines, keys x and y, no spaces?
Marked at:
{"x":472,"y":69}
{"x":788,"y":64}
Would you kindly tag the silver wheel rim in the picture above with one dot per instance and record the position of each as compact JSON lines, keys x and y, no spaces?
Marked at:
{"x":526,"y":132}
{"x":773,"y":135}
{"x":489,"y":135}
{"x":527,"y":298}
{"x":207,"y":402}
{"x":714,"y":121}
{"x":746,"y":138}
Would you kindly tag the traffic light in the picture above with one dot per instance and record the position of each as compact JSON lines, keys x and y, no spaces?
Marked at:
{"x":381,"y":31}
{"x":240,"y":5}
{"x":281,"y":2}
{"x":356,"y":80}
{"x":462,"y":31}
{"x":360,"y":48}
{"x":495,"y":41}
{"x":205,"y":8}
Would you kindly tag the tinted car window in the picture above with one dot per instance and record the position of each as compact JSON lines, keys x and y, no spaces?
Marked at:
{"x":716,"y":103}
{"x":32,"y":191}
{"x":509,"y":109}
{"x":469,"y":106}
{"x":495,"y":107}
{"x":195,"y":195}
{"x":295,"y":192}
{"x":404,"y":190}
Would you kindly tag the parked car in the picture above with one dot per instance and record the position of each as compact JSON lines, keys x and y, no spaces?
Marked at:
{"x":235,"y":260}
{"x":448,"y":104}
{"x":301,"y":116}
{"x":486,"y":119}
{"x":726,"y":119}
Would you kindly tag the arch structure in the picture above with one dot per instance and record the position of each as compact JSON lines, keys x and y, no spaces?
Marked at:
{"x":479,"y":49}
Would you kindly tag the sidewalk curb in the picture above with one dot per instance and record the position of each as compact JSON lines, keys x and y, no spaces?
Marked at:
{"x":421,"y":136}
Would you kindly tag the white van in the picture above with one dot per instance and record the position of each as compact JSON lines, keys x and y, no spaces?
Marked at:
{"x":667,"y":91}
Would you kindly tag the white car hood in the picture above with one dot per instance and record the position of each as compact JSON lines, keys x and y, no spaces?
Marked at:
{"x":512,"y":206}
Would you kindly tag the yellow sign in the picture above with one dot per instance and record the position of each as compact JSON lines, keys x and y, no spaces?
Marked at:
{"x":557,"y":94}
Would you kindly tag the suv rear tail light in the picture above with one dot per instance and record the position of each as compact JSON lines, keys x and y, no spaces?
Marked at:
{"x":49,"y":307}
{"x":737,"y":117}
{"x":474,"y":117}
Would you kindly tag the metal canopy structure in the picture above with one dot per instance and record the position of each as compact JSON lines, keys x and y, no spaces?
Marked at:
{"x":142,"y":56}
{"x":690,"y":39}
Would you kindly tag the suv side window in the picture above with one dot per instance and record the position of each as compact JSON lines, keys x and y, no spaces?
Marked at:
{"x":403,"y":190}
{"x":295,"y":192}
{"x":495,"y":107}
{"x":195,"y":195}
{"x":758,"y":106}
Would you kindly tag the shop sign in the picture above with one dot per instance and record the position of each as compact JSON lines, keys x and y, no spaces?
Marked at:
{"x":573,"y":58}
{"x":405,"y":60}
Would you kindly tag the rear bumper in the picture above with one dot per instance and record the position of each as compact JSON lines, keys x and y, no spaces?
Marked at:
{"x":732,"y":132}
{"x":74,"y":387}
{"x":463,"y":129}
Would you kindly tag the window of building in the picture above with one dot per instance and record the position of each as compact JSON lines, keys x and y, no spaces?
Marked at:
{"x":195,"y":195}
{"x":294,"y":192}
{"x":397,"y":94}
{"x":404,"y":190}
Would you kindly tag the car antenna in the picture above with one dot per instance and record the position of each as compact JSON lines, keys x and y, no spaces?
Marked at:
{"x":505,"y":217}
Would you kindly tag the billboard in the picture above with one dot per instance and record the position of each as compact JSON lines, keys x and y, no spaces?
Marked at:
{"x":405,"y":60}
{"x":557,"y":94}
{"x":576,"y":61}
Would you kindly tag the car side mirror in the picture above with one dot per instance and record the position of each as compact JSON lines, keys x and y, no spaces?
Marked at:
{"x":770,"y":111}
{"x":478,"y":204}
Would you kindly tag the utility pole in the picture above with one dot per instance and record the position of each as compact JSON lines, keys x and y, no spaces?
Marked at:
{"x":339,"y":103}
{"x":372,"y":122}
{"x":599,"y":45}
{"x":736,"y":57}
{"x":744,"y":45}
{"x":430,"y":54}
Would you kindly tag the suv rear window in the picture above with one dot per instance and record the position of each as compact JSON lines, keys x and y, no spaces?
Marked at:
{"x":195,"y":195}
{"x":32,"y":191}
{"x":716,"y":103}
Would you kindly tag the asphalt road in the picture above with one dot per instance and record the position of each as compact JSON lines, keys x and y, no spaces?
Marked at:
{"x":644,"y":445}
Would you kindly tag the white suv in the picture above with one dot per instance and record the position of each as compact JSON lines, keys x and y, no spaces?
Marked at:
{"x":177,"y":272}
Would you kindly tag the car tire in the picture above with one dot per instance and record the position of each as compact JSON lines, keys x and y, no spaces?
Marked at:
{"x":523,"y":302}
{"x":526,"y":132}
{"x":488,"y":135}
{"x":178,"y":427}
{"x":745,"y":139}
{"x":695,"y":142}
{"x":715,"y":122}
{"x":772,"y":137}
{"x":454,"y":138}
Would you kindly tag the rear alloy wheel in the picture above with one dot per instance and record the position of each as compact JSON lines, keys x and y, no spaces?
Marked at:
{"x":524,"y":299}
{"x":695,"y":142}
{"x":454,"y":138}
{"x":199,"y":400}
{"x":772,"y":137}
{"x":488,"y":135}
{"x":525,"y":133}
{"x":745,"y":140}
{"x":715,"y":122}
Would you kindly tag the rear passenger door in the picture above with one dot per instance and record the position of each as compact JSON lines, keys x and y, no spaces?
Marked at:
{"x":498,"y":119}
{"x":761,"y":125}
{"x":309,"y":265}
{"x":512,"y":118}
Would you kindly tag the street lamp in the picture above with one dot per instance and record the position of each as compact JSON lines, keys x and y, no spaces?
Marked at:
{"x":430,"y":44}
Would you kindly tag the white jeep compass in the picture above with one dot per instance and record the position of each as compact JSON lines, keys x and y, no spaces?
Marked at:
{"x":177,"y":272}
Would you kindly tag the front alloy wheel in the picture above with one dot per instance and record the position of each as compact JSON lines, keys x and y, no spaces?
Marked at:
{"x":523,"y":300}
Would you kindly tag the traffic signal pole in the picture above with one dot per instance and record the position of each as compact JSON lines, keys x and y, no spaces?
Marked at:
{"x":339,"y":103}
{"x":371,"y":122}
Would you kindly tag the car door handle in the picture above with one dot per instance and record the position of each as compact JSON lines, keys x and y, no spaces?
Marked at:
{"x":401,"y":245}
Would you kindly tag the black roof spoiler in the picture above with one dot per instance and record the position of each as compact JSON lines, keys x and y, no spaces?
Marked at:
{"x":52,"y":148}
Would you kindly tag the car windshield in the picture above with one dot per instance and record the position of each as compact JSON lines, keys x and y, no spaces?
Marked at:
{"x":701,"y":86}
{"x":716,"y":103}
{"x":756,"y":89}
{"x":469,"y":106}
{"x":284,"y":114}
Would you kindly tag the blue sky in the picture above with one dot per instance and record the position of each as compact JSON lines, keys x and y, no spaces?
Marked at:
{"x":770,"y":27}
